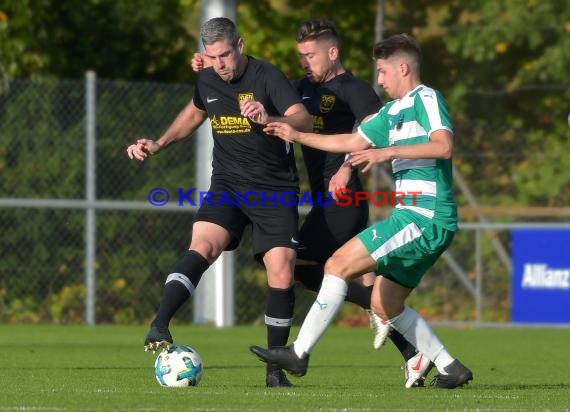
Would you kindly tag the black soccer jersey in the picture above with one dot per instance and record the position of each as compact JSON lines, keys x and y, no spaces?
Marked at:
{"x":336,"y":107}
{"x":242,"y":152}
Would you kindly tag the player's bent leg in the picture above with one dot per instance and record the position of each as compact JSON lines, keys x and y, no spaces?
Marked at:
{"x":208,"y":241}
{"x":179,"y":287}
{"x":452,"y":373}
{"x":331,"y":295}
{"x":348,"y":262}
{"x":351,"y":261}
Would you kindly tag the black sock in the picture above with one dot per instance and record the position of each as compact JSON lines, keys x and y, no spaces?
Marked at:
{"x":407,"y":350}
{"x":311,"y":276}
{"x":359,"y":294}
{"x":279,"y":315}
{"x":180,"y":285}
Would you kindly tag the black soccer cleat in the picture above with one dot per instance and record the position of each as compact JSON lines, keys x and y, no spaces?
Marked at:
{"x":276,"y":378}
{"x":157,"y":338}
{"x":456,"y":375}
{"x":283,"y":357}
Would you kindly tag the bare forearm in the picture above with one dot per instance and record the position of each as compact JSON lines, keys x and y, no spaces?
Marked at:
{"x":430,"y":150}
{"x":182,"y":127}
{"x":338,"y":143}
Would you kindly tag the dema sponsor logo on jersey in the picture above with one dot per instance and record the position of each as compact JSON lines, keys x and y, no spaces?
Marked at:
{"x":230,"y":124}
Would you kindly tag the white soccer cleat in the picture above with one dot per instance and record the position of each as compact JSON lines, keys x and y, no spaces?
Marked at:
{"x":416,"y":370}
{"x":381,"y":329}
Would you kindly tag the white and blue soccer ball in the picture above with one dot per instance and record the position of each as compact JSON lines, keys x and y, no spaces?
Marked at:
{"x":178,"y":366}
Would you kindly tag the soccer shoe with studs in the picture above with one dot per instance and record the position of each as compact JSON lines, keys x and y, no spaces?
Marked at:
{"x":416,"y":370}
{"x":283,"y":358}
{"x":157,"y":338}
{"x":453,"y":376}
{"x":381,"y":329}
{"x":276,"y":378}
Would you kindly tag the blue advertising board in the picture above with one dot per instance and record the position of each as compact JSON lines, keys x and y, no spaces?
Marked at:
{"x":541,"y":276}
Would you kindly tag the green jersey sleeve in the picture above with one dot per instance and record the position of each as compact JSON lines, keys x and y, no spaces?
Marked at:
{"x":376,"y":130}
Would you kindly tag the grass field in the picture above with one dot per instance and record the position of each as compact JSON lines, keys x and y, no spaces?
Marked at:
{"x":103,"y":368}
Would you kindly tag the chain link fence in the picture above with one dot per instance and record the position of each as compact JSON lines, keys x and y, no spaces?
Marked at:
{"x":44,"y":216}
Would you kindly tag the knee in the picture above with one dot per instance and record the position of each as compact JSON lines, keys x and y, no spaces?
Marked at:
{"x":207,"y":249}
{"x":280,"y":279}
{"x":386,"y":310}
{"x":334,"y":265}
{"x":377,"y":307}
{"x":279,"y":264}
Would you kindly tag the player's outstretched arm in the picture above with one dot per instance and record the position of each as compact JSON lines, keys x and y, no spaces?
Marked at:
{"x":182,"y":127}
{"x":337,"y":143}
{"x":439,"y":147}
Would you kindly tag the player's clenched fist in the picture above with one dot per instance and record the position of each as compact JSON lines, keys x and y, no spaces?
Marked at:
{"x":200,"y":61}
{"x":197,"y":62}
{"x":142,"y":149}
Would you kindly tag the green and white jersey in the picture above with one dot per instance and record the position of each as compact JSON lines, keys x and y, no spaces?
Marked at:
{"x":427,"y":183}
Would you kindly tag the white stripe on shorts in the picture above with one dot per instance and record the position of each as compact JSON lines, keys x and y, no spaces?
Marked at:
{"x":182,"y":279}
{"x":282,"y":323}
{"x":409,"y":233}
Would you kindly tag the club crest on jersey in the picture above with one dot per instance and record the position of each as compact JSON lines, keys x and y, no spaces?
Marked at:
{"x":244,"y":97}
{"x":327,"y":103}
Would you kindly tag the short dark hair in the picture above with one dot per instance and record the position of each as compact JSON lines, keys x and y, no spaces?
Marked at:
{"x":219,"y":29}
{"x":398,"y":43}
{"x":318,"y":29}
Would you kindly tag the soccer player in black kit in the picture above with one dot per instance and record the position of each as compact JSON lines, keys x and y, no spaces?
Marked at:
{"x":239,"y":94}
{"x":337,"y":102}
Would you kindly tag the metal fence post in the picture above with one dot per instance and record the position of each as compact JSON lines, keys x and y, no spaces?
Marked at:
{"x":90,"y":196}
{"x":478,"y":275}
{"x":213,"y":299}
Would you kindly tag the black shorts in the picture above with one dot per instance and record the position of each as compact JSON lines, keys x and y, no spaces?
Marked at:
{"x":273,"y":215}
{"x":327,"y":228}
